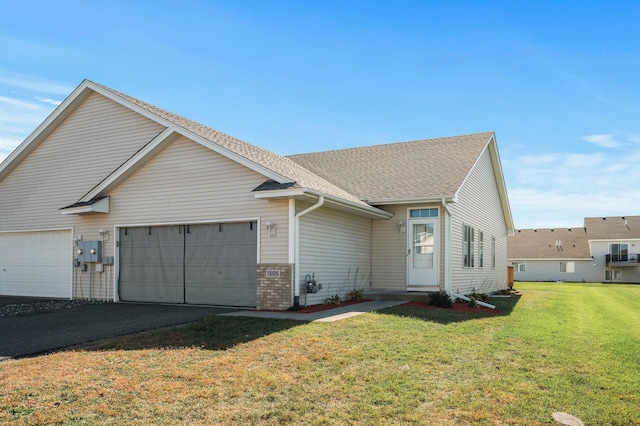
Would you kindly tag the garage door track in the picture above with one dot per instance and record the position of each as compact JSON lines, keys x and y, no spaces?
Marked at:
{"x":31,"y":333}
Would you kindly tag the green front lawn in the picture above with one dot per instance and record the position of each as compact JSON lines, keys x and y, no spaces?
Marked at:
{"x":560,"y":347}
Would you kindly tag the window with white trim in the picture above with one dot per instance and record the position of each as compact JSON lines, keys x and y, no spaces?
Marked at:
{"x":423,"y":213}
{"x":519,"y":266}
{"x":619,"y":252}
{"x":493,"y":252}
{"x":468,"y":242}
{"x":481,"y":249}
{"x":567,"y":267}
{"x":613,"y":275}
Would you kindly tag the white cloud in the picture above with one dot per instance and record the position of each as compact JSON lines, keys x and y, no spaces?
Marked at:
{"x":559,"y":190}
{"x":604,"y":141}
{"x":49,"y":101}
{"x":35,"y":84}
{"x":18,"y":103}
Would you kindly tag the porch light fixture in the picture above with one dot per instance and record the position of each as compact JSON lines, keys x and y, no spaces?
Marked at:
{"x":402,"y":228}
{"x":270,"y":227}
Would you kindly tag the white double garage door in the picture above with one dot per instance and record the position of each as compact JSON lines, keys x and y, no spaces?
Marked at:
{"x":210,"y":264}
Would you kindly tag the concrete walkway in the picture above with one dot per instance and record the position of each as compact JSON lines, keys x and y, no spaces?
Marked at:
{"x":329,"y":315}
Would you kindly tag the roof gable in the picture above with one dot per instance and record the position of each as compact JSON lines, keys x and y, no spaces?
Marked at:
{"x":423,"y":169}
{"x":272,"y":166}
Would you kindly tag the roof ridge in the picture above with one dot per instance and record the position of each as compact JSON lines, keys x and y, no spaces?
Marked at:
{"x":387,"y":144}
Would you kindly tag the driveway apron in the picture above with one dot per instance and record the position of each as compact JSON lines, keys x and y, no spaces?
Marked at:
{"x":41,"y":332}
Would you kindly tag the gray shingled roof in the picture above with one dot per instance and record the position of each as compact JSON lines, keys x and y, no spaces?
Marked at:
{"x":429,"y":168}
{"x":278,"y":164}
{"x":542,"y":244}
{"x":599,"y":228}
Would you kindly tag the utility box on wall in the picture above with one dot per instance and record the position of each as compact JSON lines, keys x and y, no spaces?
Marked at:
{"x":89,"y":251}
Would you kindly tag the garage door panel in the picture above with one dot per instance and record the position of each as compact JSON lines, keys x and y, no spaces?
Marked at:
{"x":37,"y":264}
{"x":151,"y":264}
{"x":220,"y":264}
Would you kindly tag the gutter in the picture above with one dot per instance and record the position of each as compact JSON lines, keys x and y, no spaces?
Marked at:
{"x":296,"y":287}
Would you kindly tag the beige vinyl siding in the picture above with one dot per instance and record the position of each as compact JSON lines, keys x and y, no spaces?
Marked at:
{"x":333,"y":243}
{"x":479,"y":207}
{"x":389,"y":248}
{"x":389,"y":252}
{"x":188,"y":183}
{"x":93,"y":141}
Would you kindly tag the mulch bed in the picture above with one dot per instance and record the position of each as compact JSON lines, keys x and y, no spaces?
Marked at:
{"x":457,"y":307}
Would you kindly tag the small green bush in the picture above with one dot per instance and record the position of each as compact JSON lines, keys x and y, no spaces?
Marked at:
{"x":356,"y":294}
{"x":441,"y":299}
{"x":473,"y":303}
{"x":333,"y":300}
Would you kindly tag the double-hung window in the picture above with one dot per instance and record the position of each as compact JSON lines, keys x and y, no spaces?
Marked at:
{"x":481,"y":249}
{"x":493,"y":252}
{"x":468,"y":242}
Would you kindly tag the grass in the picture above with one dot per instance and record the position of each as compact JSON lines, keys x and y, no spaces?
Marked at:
{"x":560,"y":347}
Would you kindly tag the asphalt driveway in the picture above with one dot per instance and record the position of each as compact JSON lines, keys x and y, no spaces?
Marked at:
{"x":40,"y":332}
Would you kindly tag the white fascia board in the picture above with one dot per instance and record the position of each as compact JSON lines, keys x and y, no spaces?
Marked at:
{"x":422,"y":200}
{"x":616,"y":240}
{"x":45,"y":128}
{"x":134,"y":163}
{"x":101,"y":206}
{"x":492,"y":147}
{"x":369,"y":210}
{"x":280,"y":193}
{"x":298,"y":192}
{"x":551,"y":259}
{"x":196,"y":138}
{"x":502,"y":186}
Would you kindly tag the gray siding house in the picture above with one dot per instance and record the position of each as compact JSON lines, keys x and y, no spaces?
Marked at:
{"x":604,"y":250}
{"x":113,"y":198}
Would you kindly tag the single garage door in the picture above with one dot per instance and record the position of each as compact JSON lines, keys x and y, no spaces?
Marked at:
{"x":213,"y":264}
{"x":36,"y":263}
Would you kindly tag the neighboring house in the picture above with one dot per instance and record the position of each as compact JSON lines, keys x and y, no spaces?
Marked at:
{"x":604,"y":250}
{"x":559,"y":254}
{"x":112,"y":198}
{"x":615,"y":247}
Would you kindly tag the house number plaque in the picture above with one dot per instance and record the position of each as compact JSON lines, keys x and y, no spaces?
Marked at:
{"x":272,"y":273}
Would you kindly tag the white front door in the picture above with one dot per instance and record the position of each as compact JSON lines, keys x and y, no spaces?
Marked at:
{"x":423,"y":252}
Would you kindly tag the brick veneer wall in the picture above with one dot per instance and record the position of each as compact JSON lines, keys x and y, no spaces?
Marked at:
{"x":274,"y":292}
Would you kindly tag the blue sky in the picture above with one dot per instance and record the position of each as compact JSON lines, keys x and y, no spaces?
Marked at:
{"x":557,"y":81}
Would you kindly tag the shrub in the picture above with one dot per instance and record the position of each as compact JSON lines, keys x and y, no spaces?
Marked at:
{"x":356,"y":294}
{"x":333,"y":300}
{"x":473,"y":303}
{"x":441,"y":299}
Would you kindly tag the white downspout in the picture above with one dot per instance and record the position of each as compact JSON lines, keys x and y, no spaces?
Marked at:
{"x":447,"y":244}
{"x":466,"y":299}
{"x":296,"y":288}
